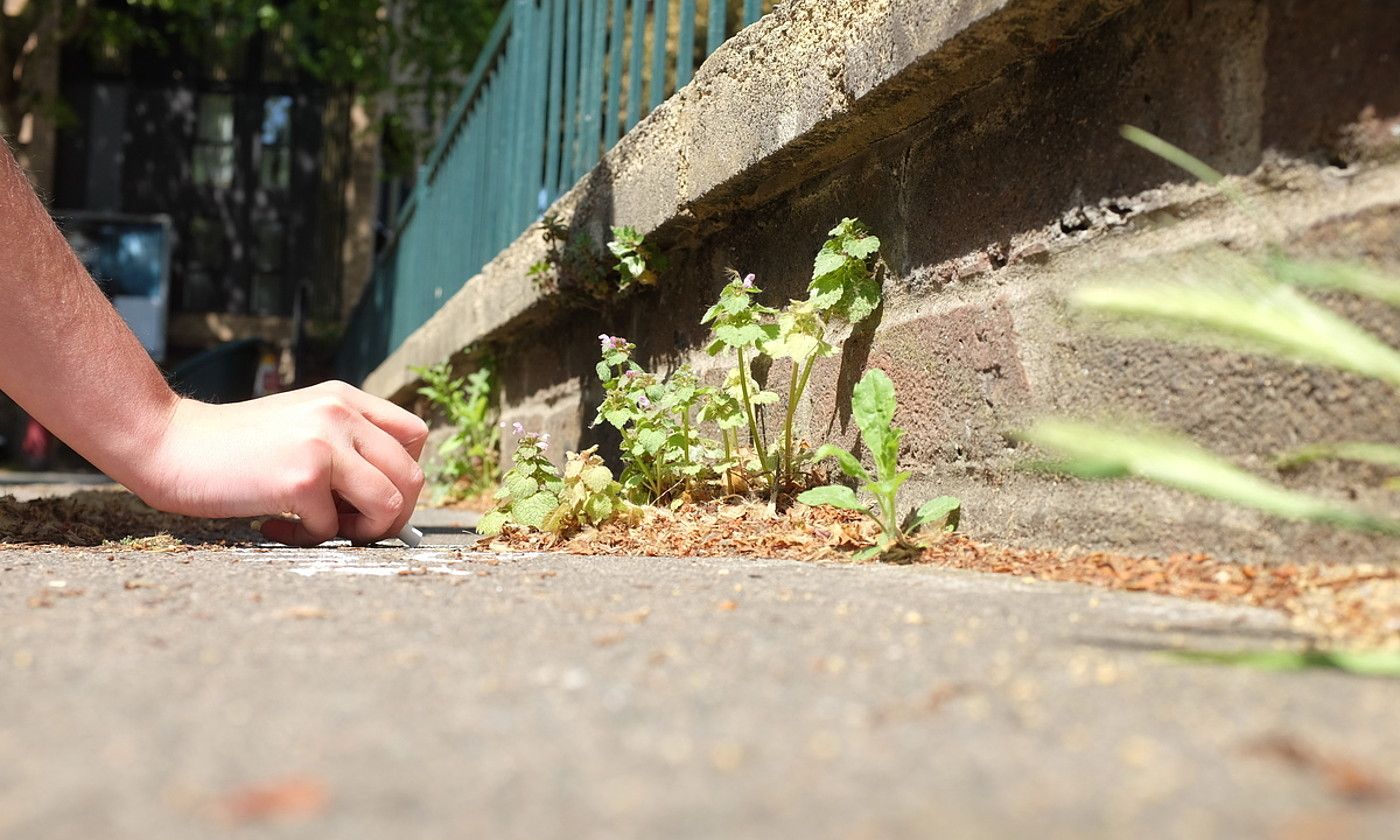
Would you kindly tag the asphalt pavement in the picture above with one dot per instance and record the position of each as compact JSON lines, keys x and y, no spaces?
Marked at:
{"x":393,"y":693}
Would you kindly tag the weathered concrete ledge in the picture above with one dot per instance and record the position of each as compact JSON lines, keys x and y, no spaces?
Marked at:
{"x":979,"y":140}
{"x":787,"y":98}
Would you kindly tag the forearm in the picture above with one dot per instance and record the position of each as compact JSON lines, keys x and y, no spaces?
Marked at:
{"x":66,"y":356}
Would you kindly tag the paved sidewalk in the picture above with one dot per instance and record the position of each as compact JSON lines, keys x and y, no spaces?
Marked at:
{"x":387,"y":692}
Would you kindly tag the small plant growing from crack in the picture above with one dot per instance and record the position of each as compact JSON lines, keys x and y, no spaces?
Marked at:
{"x":530,"y":489}
{"x":873,"y":406}
{"x":590,"y":496}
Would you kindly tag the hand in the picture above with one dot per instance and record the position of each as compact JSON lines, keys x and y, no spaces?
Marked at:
{"x":343,"y":461}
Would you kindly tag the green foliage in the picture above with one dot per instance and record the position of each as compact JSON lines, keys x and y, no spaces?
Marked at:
{"x":1369,"y":663}
{"x":577,"y":272}
{"x":418,"y":52}
{"x":842,"y":281}
{"x":468,"y":457}
{"x":637,"y":261}
{"x":1245,"y":304}
{"x":530,"y":491}
{"x":873,"y":406}
{"x":590,"y":496}
{"x":663,"y":453}
{"x":843,"y":285}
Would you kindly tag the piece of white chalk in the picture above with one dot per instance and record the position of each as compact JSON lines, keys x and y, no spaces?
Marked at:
{"x":411,"y":536}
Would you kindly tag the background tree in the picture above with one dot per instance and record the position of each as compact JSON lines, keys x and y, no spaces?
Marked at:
{"x":417,"y":51}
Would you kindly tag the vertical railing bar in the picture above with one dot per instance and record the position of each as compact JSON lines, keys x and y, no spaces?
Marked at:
{"x":585,"y":87}
{"x":554,"y":145}
{"x":613,"y":115}
{"x":753,"y":10}
{"x":536,"y":101}
{"x":571,"y":72}
{"x":685,"y":44}
{"x":715,"y":36}
{"x":634,"y":64}
{"x":660,"y":10}
{"x":598,"y":110}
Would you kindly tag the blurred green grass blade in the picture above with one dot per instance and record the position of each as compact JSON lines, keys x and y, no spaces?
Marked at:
{"x":1226,"y":300}
{"x":1372,"y":663}
{"x":1380,"y":454}
{"x":1092,"y":451}
{"x":1339,"y":276}
{"x":1172,"y":154}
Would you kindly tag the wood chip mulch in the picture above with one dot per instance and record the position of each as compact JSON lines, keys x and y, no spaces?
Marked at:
{"x":113,"y":520}
{"x":1351,"y":604}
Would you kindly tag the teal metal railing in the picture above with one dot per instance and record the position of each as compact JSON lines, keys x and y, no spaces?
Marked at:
{"x":557,"y":84}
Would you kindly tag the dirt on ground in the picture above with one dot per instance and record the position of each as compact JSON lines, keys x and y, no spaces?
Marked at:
{"x":103,"y":517}
{"x":1341,"y":605}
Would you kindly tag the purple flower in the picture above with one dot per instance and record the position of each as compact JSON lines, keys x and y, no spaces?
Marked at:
{"x":631,"y":374}
{"x":518,"y":428}
{"x":643,"y":403}
{"x":544,"y":441}
{"x":748,"y":281}
{"x":612,"y":342}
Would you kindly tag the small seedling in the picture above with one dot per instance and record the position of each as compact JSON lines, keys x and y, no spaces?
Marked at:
{"x":873,"y":407}
{"x":530,"y":491}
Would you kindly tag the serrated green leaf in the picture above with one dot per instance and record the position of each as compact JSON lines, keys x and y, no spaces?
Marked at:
{"x":828,"y":262}
{"x":833,"y":495}
{"x":861,"y":248}
{"x":604,"y":372}
{"x":618,"y":417}
{"x":597,"y":478}
{"x":519,"y":486}
{"x":651,"y":440}
{"x":491,"y":523}
{"x":532,"y":511}
{"x":598,"y":509}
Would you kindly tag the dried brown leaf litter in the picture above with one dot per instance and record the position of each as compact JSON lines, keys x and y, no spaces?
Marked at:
{"x":1355,"y":604}
{"x":113,"y":521}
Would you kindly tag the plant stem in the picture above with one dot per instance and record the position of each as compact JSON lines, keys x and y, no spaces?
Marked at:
{"x":797,"y":386}
{"x":748,"y":408}
{"x":729,"y":467}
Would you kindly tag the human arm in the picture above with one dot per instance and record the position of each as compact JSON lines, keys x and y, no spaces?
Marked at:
{"x":68,"y":359}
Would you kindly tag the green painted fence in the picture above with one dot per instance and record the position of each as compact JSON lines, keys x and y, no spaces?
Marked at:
{"x":557,"y":84}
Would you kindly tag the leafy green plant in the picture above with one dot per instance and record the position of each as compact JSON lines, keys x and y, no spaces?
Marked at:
{"x":637,"y":261}
{"x":530,"y":491}
{"x":578,"y":272}
{"x":663,"y":453}
{"x":739,"y":325}
{"x":590,"y":496}
{"x":843,"y":285}
{"x":873,"y":406}
{"x":1245,"y":304}
{"x":468,"y":458}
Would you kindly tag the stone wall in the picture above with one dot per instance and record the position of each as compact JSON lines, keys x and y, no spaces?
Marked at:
{"x":979,"y":141}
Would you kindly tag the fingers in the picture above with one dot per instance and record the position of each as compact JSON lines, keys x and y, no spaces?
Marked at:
{"x":311,"y":501}
{"x":402,"y":425}
{"x":376,"y":500}
{"x":385,"y":454}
